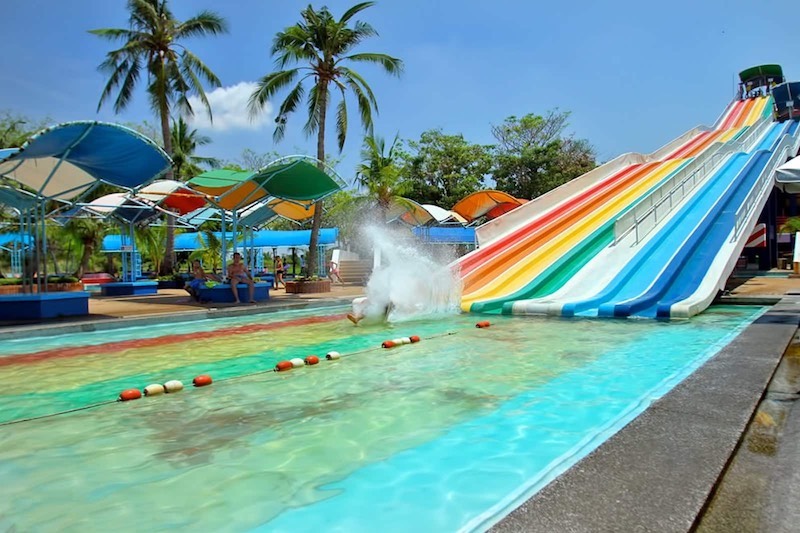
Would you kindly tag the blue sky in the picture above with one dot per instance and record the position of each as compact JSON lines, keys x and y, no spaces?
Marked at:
{"x":634,"y":74}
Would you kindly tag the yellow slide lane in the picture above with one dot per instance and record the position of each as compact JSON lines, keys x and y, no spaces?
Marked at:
{"x":520,"y":274}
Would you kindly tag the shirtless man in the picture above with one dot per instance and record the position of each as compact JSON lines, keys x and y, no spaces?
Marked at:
{"x":237,"y":273}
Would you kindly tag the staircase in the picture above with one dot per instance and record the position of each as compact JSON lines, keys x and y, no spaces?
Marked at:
{"x":355,"y":271}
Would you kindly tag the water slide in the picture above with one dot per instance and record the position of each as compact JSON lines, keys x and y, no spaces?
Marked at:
{"x":536,"y":249}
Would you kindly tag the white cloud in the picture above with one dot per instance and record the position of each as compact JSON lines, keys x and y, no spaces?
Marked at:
{"x":229,"y":109}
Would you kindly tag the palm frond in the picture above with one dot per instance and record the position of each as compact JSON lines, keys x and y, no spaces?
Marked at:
{"x":202,"y":24}
{"x":341,"y":122}
{"x":113,"y":34}
{"x":353,"y":76}
{"x":353,"y":11}
{"x":390,"y":64}
{"x":364,"y":104}
{"x":267,"y":87}
{"x":126,"y":87}
{"x":314,"y":109}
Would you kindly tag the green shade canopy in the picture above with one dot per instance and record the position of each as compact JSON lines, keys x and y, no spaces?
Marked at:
{"x":762,"y":71}
{"x":295,"y":178}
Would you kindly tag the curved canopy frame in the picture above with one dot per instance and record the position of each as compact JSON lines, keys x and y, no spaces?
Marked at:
{"x":66,"y":160}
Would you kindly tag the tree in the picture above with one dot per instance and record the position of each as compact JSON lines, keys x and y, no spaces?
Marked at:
{"x":185,"y":164}
{"x":443,"y":168}
{"x":533,"y":156}
{"x":153,"y":43}
{"x":211,"y":254}
{"x":89,"y":233}
{"x":324,"y":46}
{"x":379,"y":173}
{"x":15,"y":129}
{"x":251,"y":160}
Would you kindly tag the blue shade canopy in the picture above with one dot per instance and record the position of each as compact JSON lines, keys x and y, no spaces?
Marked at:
{"x":9,"y":238}
{"x":186,"y":242}
{"x":65,"y":160}
{"x":17,"y":198}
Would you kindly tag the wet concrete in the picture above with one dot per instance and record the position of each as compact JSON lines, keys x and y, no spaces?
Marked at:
{"x":760,"y":490}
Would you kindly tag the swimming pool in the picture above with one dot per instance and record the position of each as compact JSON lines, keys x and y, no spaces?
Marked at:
{"x":447,"y":434}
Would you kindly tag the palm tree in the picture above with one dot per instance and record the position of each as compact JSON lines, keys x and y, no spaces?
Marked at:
{"x":185,"y":164}
{"x":324,"y":46}
{"x":153,"y":43}
{"x":89,"y":233}
{"x":210,"y":255}
{"x":379,"y":174}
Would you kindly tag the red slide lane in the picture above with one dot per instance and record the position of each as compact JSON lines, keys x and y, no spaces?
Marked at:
{"x":486,"y":253}
{"x":556,"y":225}
{"x":743,"y":109}
{"x":110,"y":347}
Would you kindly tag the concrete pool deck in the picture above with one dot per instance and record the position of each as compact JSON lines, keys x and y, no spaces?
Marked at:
{"x":659,"y":473}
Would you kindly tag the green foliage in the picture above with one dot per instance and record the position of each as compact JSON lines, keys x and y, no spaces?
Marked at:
{"x":533,"y":156}
{"x":792,"y":225}
{"x":211,"y":255}
{"x":442,"y":168}
{"x":89,"y":233}
{"x":251,"y":160}
{"x":341,"y":211}
{"x":185,"y":141}
{"x":15,"y":128}
{"x":323,"y":47}
{"x":379,"y":172}
{"x":151,"y":243}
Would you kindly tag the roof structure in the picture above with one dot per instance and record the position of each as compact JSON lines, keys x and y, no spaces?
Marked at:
{"x":487,"y":203}
{"x":68,"y":159}
{"x":292,"y":179}
{"x":446,"y":235}
{"x":173,"y":195}
{"x":787,"y":176}
{"x":261,"y":239}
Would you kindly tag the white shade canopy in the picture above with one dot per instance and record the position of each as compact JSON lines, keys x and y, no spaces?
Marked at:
{"x":787,"y":176}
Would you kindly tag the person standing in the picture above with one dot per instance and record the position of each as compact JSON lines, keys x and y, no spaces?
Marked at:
{"x":279,"y":270}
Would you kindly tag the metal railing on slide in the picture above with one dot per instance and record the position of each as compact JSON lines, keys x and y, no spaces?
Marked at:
{"x":786,"y":148}
{"x":646,"y":214}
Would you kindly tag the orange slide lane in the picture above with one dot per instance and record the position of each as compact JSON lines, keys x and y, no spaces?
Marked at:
{"x":553,"y":226}
{"x":500,"y":281}
{"x":490,"y":251}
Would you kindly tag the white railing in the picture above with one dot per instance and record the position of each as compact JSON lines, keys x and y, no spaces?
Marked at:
{"x":645,"y":215}
{"x":785,"y":149}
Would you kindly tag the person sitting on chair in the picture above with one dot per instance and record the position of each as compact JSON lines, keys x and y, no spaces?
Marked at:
{"x":237,"y":273}
{"x":200,"y":277}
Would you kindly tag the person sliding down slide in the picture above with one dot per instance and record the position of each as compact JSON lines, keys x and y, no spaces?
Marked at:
{"x":363,"y":308}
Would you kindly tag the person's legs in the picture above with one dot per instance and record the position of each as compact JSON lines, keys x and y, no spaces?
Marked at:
{"x":235,"y":288}
{"x":251,"y":287}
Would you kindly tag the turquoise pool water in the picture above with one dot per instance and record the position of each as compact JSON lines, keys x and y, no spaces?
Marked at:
{"x":444,"y":435}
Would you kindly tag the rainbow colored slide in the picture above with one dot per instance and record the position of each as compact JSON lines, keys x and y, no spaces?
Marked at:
{"x":563,"y":246}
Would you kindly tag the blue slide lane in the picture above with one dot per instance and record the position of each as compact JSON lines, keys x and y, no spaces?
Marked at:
{"x":638,"y":274}
{"x":685,"y":271}
{"x":687,"y":267}
{"x":645,"y":275}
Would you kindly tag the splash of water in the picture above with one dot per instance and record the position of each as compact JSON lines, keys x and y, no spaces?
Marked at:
{"x":409,"y":280}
